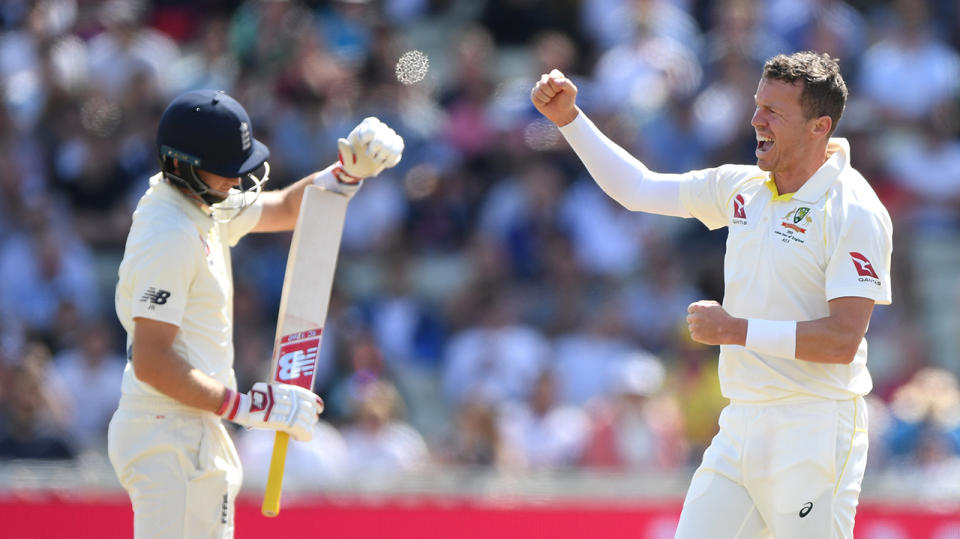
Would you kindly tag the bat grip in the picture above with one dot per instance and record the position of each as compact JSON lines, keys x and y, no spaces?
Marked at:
{"x":271,"y":498}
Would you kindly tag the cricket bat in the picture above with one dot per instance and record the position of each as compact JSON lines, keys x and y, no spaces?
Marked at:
{"x":307,"y":282}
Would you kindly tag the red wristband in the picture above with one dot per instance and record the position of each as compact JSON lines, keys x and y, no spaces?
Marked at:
{"x":343,"y":176}
{"x":228,"y":397}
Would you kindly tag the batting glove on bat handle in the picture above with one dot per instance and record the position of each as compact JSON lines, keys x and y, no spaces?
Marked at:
{"x":284,"y":407}
{"x":371,"y":147}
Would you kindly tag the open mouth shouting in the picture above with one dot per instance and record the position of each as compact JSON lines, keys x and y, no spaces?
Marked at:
{"x":764,"y":145}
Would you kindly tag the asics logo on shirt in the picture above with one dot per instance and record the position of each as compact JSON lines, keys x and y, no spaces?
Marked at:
{"x":155,"y":297}
{"x":805,"y":510}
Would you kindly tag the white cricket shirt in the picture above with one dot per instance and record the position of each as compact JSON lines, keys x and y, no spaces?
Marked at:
{"x":786,"y":256}
{"x":176,"y":269}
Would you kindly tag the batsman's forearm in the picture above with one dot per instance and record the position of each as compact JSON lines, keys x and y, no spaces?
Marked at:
{"x":282,"y":207}
{"x":622,"y":176}
{"x":169,"y":374}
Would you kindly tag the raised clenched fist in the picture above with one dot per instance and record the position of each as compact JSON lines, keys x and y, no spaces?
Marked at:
{"x":369,"y":148}
{"x":555,"y":96}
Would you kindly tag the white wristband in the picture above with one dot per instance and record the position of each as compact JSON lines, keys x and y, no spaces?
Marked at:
{"x":329,"y":182}
{"x":776,"y":338}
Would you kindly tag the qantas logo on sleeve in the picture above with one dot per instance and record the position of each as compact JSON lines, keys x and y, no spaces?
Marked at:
{"x":739,"y":213}
{"x":864,"y":268}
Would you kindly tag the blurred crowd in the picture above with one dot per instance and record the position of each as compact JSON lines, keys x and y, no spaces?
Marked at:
{"x":492,"y":308}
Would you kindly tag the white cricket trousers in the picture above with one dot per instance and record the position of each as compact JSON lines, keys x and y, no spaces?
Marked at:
{"x":787,"y":471}
{"x":180,"y":469}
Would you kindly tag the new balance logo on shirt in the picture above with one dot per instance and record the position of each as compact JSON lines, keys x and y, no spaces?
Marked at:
{"x":155,"y":297}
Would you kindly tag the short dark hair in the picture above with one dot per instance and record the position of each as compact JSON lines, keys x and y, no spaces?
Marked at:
{"x":824,"y":92}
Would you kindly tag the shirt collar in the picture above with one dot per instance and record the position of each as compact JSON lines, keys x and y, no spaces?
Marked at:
{"x":164,"y":191}
{"x":838,"y":150}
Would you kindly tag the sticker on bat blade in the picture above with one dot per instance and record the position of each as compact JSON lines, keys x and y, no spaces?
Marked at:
{"x":301,"y":335}
{"x":297,"y":359}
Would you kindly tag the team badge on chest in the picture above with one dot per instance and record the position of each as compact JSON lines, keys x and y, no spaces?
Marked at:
{"x":794,"y":225}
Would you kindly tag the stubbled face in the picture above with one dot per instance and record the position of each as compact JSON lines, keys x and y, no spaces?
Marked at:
{"x":784,"y":135}
{"x":221,"y":185}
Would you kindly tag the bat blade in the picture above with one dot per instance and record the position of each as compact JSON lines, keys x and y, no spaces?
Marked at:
{"x":307,"y":283}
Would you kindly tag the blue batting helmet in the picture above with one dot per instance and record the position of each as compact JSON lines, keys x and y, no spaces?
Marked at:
{"x":210,"y":130}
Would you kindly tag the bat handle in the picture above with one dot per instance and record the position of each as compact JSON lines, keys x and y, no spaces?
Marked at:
{"x":271,"y":498}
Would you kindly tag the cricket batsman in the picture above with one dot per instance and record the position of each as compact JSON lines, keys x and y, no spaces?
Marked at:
{"x":807,"y":257}
{"x":174,"y":297}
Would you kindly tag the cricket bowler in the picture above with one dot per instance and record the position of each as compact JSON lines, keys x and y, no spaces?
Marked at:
{"x":807,"y":257}
{"x":174,"y":297}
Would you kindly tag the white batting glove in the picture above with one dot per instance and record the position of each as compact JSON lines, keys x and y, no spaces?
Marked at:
{"x":284,"y":407}
{"x":371,"y":147}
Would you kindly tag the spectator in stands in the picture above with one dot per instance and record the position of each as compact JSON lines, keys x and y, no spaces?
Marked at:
{"x":206,"y":63}
{"x":521,"y":213}
{"x":606,"y":238}
{"x":104,"y":146}
{"x":925,"y":163}
{"x":925,"y":411}
{"x":43,"y":268}
{"x":127,"y":48}
{"x":638,"y":75}
{"x":364,"y":364}
{"x":737,"y":30}
{"x":477,"y":442}
{"x":831,"y":26}
{"x":287,"y":23}
{"x":496,"y":360}
{"x":924,"y":436}
{"x":909,"y":73}
{"x":403,"y":324}
{"x":32,"y":415}
{"x":664,"y":287}
{"x":935,"y":472}
{"x":91,"y":374}
{"x":378,"y":442}
{"x":639,"y":427}
{"x":696,"y":384}
{"x":722,"y":110}
{"x":586,"y":357}
{"x":468,"y":93}
{"x":321,"y":463}
{"x":609,"y":23}
{"x":544,"y":432}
